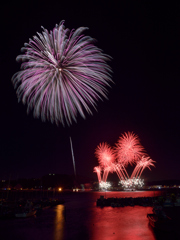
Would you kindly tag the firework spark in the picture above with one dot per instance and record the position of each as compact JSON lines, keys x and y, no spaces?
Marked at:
{"x":105,"y":154}
{"x":106,"y":158}
{"x":141,"y":165}
{"x":128,"y":149}
{"x":62,"y":74}
{"x":132,"y":183}
{"x":104,"y":185}
{"x":121,"y":171}
{"x":98,"y":171}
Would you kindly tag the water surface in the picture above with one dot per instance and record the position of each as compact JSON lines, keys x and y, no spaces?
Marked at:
{"x":80,"y":218}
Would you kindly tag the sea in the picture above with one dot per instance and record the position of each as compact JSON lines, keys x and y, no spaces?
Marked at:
{"x":80,"y":218}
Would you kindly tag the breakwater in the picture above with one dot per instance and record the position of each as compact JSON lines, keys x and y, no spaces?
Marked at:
{"x":127,"y":201}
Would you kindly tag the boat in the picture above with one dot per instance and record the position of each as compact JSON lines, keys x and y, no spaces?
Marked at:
{"x":168,"y":202}
{"x":25,"y":214}
{"x":160,"y":221}
{"x":6,"y":212}
{"x":6,"y":209}
{"x":177,"y":201}
{"x":26,"y":211}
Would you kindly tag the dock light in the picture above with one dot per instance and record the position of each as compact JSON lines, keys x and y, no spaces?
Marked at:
{"x":75,"y":189}
{"x":60,"y":189}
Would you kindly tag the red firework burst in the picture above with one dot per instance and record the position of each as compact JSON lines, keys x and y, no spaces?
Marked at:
{"x":129,"y":149}
{"x":105,"y":155}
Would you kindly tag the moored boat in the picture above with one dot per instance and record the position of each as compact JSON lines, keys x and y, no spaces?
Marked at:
{"x":26,"y":211}
{"x":160,"y":221}
{"x":168,"y":202}
{"x":25,"y":214}
{"x":177,"y":201}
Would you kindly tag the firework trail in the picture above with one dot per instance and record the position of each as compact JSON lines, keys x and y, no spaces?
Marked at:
{"x":141,"y":165}
{"x":106,"y":158}
{"x":73,"y":157}
{"x":121,"y":171}
{"x":62,"y":74}
{"x":98,"y":171}
{"x":107,"y":170}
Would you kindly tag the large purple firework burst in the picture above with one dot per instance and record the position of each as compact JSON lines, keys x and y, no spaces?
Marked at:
{"x":62,"y":74}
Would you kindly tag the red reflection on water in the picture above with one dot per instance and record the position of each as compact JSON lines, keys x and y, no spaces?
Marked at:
{"x":121,"y":223}
{"x":125,"y":223}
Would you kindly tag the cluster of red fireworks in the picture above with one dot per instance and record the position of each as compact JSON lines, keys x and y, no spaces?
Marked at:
{"x":127,"y":151}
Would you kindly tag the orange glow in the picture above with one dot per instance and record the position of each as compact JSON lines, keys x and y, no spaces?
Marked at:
{"x":59,"y":223}
{"x":60,"y":189}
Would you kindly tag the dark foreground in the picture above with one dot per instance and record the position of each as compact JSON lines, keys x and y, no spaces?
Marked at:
{"x":80,"y":218}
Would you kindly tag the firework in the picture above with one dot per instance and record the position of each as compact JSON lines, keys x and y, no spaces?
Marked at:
{"x":105,"y":154}
{"x":135,"y":181}
{"x":98,"y":171}
{"x":128,"y":149}
{"x":132,"y":183}
{"x":106,"y":158}
{"x":63,"y":74}
{"x":107,"y":170}
{"x":121,"y":171}
{"x":104,"y":185}
{"x":141,"y":165}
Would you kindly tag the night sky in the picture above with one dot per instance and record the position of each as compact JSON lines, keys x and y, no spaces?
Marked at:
{"x":143,"y":39}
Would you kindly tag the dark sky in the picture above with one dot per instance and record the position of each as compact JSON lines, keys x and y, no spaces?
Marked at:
{"x":143,"y":39}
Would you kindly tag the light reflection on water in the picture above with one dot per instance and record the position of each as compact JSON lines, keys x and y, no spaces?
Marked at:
{"x":80,"y":219}
{"x":59,"y":222}
{"x":122,"y":223}
{"x":108,"y":223}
